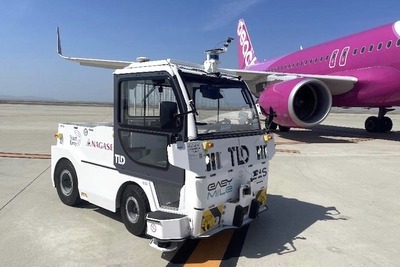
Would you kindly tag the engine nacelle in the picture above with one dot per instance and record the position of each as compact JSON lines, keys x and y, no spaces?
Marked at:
{"x":302,"y":102}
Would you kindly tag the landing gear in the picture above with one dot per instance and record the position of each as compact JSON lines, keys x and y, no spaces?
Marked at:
{"x":380,"y":124}
{"x":273,"y":126}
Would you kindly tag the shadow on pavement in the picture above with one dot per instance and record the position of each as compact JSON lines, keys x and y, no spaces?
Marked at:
{"x":275,"y":231}
{"x":335,"y":134}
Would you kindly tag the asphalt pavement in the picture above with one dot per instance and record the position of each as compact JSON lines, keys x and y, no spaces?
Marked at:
{"x":333,"y":200}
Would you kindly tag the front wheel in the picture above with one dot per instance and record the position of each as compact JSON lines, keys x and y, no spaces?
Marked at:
{"x":66,"y":182}
{"x":134,"y":207}
{"x":372,"y":124}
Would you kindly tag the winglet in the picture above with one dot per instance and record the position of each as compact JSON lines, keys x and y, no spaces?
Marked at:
{"x":59,"y":50}
{"x":247,"y":56}
{"x":99,"y":63}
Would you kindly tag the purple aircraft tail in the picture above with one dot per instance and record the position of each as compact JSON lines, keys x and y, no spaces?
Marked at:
{"x":247,"y":56}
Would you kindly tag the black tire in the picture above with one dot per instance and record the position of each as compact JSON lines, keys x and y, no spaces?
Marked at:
{"x":134,"y":207}
{"x":388,"y":124}
{"x":284,"y":129}
{"x":66,"y":182}
{"x":372,"y":124}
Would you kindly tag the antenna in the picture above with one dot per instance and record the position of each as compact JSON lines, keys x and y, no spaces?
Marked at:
{"x":212,"y":60}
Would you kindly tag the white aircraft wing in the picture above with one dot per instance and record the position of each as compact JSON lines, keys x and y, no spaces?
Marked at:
{"x":257,"y":80}
{"x":99,"y":63}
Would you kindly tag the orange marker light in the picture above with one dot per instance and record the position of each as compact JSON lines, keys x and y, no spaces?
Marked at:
{"x":267,"y":137}
{"x":208,"y":145}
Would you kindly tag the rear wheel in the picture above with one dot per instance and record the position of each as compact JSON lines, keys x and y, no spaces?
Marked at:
{"x":388,"y":124}
{"x":66,"y":182}
{"x":134,"y":207}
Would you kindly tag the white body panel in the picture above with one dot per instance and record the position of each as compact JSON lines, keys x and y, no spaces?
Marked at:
{"x":92,"y":156}
{"x":89,"y":148}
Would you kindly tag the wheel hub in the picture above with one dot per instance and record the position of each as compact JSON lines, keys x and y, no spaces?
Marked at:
{"x":132,"y":209}
{"x":66,"y":183}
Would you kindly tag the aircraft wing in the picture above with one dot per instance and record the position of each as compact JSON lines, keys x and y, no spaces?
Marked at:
{"x":99,"y":63}
{"x":257,"y":80}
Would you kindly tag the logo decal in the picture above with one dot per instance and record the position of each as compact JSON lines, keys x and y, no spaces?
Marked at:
{"x":119,"y":159}
{"x":75,"y":140}
{"x":213,"y":161}
{"x":100,"y":145}
{"x":240,"y":155}
{"x":258,"y":174}
{"x":219,"y":188}
{"x":247,"y":49}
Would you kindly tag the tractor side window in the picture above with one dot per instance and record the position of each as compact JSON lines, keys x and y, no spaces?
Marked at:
{"x":145,"y":148}
{"x":141,"y":101}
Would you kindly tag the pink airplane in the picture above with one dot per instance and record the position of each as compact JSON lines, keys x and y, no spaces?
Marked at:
{"x":360,"y":70}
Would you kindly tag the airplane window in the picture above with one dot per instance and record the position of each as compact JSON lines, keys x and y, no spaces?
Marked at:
{"x":371,"y":47}
{"x":297,"y":64}
{"x":389,"y":44}
{"x":322,"y":58}
{"x":362,"y":50}
{"x":355,"y":51}
{"x":310,"y":61}
{"x":315,"y":60}
{"x":327,"y":58}
{"x":398,"y":42}
{"x":380,"y":46}
{"x":305,"y":62}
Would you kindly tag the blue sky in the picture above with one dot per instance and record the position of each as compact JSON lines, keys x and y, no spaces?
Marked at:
{"x":124,"y":30}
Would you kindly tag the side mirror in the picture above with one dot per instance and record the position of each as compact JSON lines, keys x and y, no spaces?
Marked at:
{"x":168,"y":112}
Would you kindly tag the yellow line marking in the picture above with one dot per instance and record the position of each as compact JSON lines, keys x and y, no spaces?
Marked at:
{"x":24,"y":155}
{"x":210,"y":251}
{"x":292,"y":151}
{"x":290,"y":143}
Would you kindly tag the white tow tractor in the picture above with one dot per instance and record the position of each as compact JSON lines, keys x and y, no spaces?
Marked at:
{"x":184,"y":158}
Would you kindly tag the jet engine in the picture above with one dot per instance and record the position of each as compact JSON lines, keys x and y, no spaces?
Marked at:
{"x":302,"y":102}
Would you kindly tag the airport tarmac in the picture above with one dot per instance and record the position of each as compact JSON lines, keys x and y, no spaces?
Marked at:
{"x":333,"y":200}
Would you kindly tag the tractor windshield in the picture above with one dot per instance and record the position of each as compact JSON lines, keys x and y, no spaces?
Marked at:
{"x":224,"y":105}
